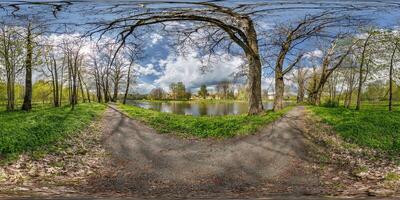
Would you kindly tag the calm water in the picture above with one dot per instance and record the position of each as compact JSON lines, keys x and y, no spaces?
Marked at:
{"x":199,"y":108}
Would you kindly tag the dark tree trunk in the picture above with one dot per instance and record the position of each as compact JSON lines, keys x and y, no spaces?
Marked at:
{"x":81,"y":86}
{"x":128,"y":81}
{"x":391,"y":77}
{"x":360,"y":82}
{"x":115,"y":95}
{"x":27,"y":105}
{"x":279,"y":91}
{"x":300,"y":92}
{"x":254,"y":78}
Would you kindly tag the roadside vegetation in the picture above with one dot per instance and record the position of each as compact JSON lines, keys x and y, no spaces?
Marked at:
{"x":26,"y":131}
{"x":372,"y":126}
{"x":203,"y":126}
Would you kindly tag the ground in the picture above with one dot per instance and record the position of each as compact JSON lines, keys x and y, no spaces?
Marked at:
{"x":148,"y":163}
{"x":296,"y":155}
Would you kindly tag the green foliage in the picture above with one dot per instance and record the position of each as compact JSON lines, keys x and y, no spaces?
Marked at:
{"x":373,"y":126}
{"x":202,"y":126}
{"x":26,"y":131}
{"x":203,"y":91}
{"x":179,"y":91}
{"x":330,"y":103}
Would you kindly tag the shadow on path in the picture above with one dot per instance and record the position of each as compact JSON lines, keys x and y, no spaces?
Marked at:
{"x":144,"y":162}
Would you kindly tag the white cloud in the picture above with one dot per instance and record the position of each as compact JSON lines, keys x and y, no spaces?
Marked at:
{"x":147,"y":70}
{"x":316,"y":54}
{"x":187,"y":70}
{"x":155,"y":38}
{"x":143,"y":87}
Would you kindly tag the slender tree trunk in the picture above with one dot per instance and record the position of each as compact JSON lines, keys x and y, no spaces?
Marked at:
{"x":391,"y":77}
{"x":10,"y":92}
{"x":81,"y":86}
{"x":56,"y":84}
{"x":27,"y":105}
{"x":61,"y":84}
{"x":115,"y":95}
{"x":128,"y":81}
{"x":360,"y":83}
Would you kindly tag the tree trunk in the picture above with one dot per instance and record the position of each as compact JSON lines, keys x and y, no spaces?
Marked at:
{"x":10,"y":92}
{"x":128,"y":81}
{"x":255,"y":94}
{"x":391,"y":77}
{"x":115,"y":95}
{"x":27,"y":105}
{"x":81,"y":86}
{"x":279,"y":91}
{"x":360,"y":83}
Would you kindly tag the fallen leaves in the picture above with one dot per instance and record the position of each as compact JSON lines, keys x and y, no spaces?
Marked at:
{"x":61,"y":170}
{"x":350,"y":170}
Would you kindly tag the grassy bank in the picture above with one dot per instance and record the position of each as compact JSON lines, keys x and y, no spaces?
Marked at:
{"x":25,"y":131}
{"x":202,"y":126}
{"x":373,"y":126}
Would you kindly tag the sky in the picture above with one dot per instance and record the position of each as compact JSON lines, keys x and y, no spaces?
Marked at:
{"x":160,"y":65}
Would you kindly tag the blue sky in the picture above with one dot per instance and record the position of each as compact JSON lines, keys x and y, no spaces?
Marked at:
{"x":160,"y":64}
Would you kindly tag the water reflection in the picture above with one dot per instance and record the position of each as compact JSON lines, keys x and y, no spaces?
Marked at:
{"x":199,"y":108}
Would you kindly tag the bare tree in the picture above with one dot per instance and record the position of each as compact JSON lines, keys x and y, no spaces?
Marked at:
{"x":301,"y":77}
{"x":221,"y":23}
{"x":132,"y":54}
{"x":72,"y":51}
{"x":394,"y":40}
{"x":287,"y":37}
{"x":363,"y":60}
{"x":332,"y":60}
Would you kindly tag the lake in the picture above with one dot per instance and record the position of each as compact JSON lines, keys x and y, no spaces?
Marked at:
{"x":199,"y":108}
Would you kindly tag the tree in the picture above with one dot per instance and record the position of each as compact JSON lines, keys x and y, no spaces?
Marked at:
{"x":11,"y":56}
{"x":157,"y":94}
{"x":203,"y":91}
{"x":291,"y":34}
{"x":227,"y":24}
{"x":363,"y":60}
{"x":132,"y":54}
{"x":72,"y":49}
{"x":331,"y":61}
{"x":27,"y":104}
{"x":223,"y":89}
{"x":300,"y":78}
{"x":178,"y":91}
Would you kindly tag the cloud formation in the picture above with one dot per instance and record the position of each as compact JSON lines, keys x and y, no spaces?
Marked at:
{"x":188,"y":70}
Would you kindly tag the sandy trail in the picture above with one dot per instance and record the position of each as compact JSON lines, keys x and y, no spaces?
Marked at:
{"x":144,"y":162}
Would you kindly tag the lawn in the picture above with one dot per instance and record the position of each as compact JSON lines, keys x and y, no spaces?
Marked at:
{"x":373,"y":126}
{"x":202,"y":126}
{"x":22,"y":131}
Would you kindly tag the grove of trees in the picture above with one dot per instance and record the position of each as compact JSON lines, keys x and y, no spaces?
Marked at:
{"x":353,"y":55}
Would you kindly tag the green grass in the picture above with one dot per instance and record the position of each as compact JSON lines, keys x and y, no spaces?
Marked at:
{"x":22,"y":131}
{"x":373,"y":126}
{"x":202,"y":126}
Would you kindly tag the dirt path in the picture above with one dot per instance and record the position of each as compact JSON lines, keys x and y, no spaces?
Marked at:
{"x":144,"y":162}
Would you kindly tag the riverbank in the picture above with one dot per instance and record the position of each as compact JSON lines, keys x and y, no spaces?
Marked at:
{"x":202,"y":126}
{"x":36,"y":130}
{"x":198,"y":101}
